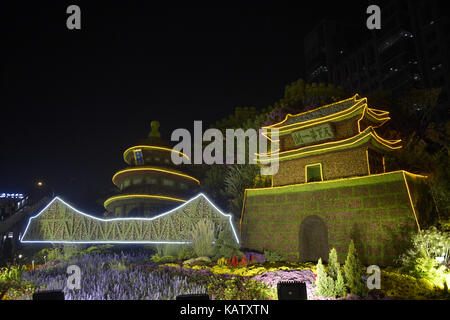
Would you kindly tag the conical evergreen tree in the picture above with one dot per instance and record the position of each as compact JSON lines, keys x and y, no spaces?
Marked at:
{"x":333,"y":264}
{"x":354,"y":273}
{"x":339,"y":285}
{"x":324,"y":283}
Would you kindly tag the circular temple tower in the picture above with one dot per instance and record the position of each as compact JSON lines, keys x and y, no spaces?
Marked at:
{"x":152,"y":184}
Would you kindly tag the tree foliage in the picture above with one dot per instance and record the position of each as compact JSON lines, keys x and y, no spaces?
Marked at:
{"x":420,"y":260}
{"x":354,"y":273}
{"x":333,"y":264}
{"x":418,"y":120}
{"x":331,"y":283}
{"x":237,"y":179}
{"x":300,"y":96}
{"x":324,"y":283}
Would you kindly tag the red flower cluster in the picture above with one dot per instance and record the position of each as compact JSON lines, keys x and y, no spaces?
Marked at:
{"x":234,"y":261}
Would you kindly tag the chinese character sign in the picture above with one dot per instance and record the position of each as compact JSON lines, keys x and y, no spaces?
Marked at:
{"x":313,"y":135}
{"x":138,"y":156}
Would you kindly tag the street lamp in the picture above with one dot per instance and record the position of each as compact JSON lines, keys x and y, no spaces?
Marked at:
{"x":41,"y":184}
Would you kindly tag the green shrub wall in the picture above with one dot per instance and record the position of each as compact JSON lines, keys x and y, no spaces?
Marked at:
{"x":375,"y":211}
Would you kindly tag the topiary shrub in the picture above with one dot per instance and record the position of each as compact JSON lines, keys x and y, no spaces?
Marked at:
{"x":185,"y":253}
{"x":354,"y":273}
{"x":225,"y":246}
{"x":203,"y":238}
{"x":198,"y":261}
{"x":162,"y":259}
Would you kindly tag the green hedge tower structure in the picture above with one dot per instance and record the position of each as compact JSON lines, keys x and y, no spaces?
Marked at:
{"x":151,"y":183}
{"x":332,"y":187}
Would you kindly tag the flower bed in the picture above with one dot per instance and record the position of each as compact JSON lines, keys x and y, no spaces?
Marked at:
{"x":134,"y":276}
{"x":108,"y":277}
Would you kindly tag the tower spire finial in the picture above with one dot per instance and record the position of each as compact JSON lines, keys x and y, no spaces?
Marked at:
{"x":155,"y":130}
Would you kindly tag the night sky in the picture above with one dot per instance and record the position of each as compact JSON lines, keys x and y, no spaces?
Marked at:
{"x":73,"y":101}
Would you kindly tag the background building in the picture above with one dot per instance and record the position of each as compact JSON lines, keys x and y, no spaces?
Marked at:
{"x":412,"y":48}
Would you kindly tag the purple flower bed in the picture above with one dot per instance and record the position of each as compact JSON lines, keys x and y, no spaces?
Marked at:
{"x":132,"y":276}
{"x":259,"y":257}
{"x":103,"y":280}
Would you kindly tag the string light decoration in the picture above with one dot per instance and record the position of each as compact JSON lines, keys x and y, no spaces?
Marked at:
{"x":59,"y":222}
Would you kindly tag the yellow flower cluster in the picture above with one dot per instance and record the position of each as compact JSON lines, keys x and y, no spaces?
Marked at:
{"x":249,"y":271}
{"x":394,"y":284}
{"x":29,"y":267}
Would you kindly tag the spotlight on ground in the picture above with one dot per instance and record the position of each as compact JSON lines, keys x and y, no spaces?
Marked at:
{"x":49,"y":295}
{"x":194,"y":296}
{"x":292,"y":290}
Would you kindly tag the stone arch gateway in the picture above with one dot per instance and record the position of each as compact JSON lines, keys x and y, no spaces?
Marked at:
{"x":313,"y":239}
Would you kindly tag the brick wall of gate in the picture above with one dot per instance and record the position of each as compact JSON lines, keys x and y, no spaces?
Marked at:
{"x":378,"y":212}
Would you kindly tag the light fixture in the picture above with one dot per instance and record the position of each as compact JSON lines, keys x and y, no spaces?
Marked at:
{"x":440,"y":260}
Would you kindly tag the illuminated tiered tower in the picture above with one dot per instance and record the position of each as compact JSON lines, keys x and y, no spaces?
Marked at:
{"x":151,"y":184}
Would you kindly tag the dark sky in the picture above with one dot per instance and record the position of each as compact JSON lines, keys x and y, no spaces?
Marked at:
{"x":73,"y":101}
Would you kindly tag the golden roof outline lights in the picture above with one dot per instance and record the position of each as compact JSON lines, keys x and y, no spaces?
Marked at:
{"x":381,"y":112}
{"x":125,"y":154}
{"x":153,"y":169}
{"x":341,"y":179}
{"x":374,"y":115}
{"x":411,"y":202}
{"x":140,"y":196}
{"x":337,"y":142}
{"x":355,"y":98}
{"x":369,"y":132}
{"x":329,"y":118}
{"x":367,"y":159}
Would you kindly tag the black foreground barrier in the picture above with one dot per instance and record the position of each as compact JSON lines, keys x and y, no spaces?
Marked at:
{"x":292,"y":290}
{"x":194,"y":296}
{"x":234,"y":309}
{"x":49,"y":295}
